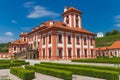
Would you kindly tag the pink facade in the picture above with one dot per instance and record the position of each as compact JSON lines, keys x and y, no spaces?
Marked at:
{"x":61,"y":40}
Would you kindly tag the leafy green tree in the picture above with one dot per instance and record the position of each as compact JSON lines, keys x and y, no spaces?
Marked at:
{"x":4,"y":47}
{"x":115,"y":32}
{"x":107,"y":33}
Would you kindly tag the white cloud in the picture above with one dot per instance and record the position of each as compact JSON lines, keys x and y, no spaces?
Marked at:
{"x":14,"y":21}
{"x":9,"y":33}
{"x":117,"y":25}
{"x":28,"y":4}
{"x":117,"y":17}
{"x":117,"y":21}
{"x":37,"y":11}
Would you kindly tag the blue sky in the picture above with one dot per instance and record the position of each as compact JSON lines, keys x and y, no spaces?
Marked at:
{"x":22,"y":15}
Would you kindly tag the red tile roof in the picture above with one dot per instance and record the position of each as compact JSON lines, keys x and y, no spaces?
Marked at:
{"x":115,"y":45}
{"x":19,"y":42}
{"x":71,"y":9}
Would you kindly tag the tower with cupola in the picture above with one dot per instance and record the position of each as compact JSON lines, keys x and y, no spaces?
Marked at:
{"x":72,"y":17}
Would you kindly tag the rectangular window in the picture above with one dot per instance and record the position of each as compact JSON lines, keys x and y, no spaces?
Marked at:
{"x":77,"y":40}
{"x":92,"y":53}
{"x":44,"y":40}
{"x":85,"y":51}
{"x":60,"y":53}
{"x":24,"y":38}
{"x":49,"y":53}
{"x":60,"y":38}
{"x":77,"y":23}
{"x":111,"y":54}
{"x":14,"y":48}
{"x":49,"y":38}
{"x":20,"y":48}
{"x":78,"y":53}
{"x":69,"y":53}
{"x":69,"y":39}
{"x":85,"y":41}
{"x":91,"y":42}
{"x":43,"y":53}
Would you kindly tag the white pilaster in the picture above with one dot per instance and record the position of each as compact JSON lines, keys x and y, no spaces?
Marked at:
{"x":80,"y":25}
{"x":70,"y":20}
{"x":74,"y":20}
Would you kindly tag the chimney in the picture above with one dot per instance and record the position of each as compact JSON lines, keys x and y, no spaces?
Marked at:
{"x":65,"y":8}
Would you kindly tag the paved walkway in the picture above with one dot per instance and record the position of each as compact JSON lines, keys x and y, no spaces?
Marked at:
{"x":32,"y":62}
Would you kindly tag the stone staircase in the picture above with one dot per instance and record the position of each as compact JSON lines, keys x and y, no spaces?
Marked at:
{"x":29,"y":54}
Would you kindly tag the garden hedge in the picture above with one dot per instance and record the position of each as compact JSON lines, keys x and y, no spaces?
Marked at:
{"x":66,"y":75}
{"x":105,"y":74}
{"x":22,"y":73}
{"x":22,"y":62}
{"x":4,"y":66}
{"x":19,"y":61}
{"x":85,"y":66}
{"x":15,"y":64}
{"x":5,"y":61}
{"x":109,"y":61}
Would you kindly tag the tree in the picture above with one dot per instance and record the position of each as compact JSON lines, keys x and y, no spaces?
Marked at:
{"x":114,"y":32}
{"x":107,"y":33}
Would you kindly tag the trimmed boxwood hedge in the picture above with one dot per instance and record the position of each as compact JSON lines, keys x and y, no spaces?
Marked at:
{"x":22,"y":73}
{"x":19,"y":61}
{"x":4,"y":66}
{"x":5,"y":61}
{"x":105,"y":74}
{"x":22,"y":63}
{"x":85,"y":66}
{"x":66,"y":75}
{"x":15,"y":64}
{"x":109,"y":61}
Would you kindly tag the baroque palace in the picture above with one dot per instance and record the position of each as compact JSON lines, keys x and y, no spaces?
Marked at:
{"x":57,"y":40}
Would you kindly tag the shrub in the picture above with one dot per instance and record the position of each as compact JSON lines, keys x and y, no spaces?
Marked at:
{"x":67,"y":75}
{"x":22,"y":62}
{"x":19,"y":61}
{"x":5,"y":61}
{"x":4,"y":66}
{"x":22,"y":73}
{"x":105,"y":74}
{"x":85,"y":66}
{"x":111,"y":61}
{"x":15,"y":64}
